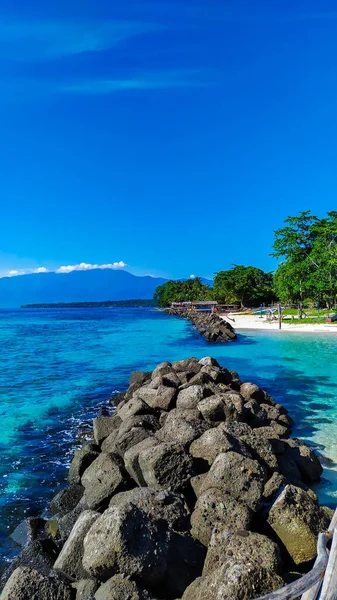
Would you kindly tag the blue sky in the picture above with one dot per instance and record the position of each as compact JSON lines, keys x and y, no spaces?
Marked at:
{"x":171,"y":137}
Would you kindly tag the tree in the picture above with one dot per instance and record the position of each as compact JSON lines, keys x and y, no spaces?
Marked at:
{"x":307,"y":247}
{"x":246,"y":285}
{"x":192,"y":290}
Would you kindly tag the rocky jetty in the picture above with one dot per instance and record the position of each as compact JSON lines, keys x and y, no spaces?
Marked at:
{"x":210,"y":325}
{"x":191,"y":489}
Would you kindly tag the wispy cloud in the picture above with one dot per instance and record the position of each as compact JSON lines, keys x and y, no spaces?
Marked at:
{"x":142,"y":81}
{"x":16,"y":272}
{"x":65,"y":269}
{"x":36,"y":40}
{"x":89,"y":267}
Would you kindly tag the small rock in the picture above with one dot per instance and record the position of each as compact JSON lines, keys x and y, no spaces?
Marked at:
{"x":85,"y":589}
{"x":131,"y":459}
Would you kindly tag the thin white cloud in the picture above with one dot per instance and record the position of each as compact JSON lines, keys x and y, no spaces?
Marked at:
{"x":35,"y":40}
{"x":15,"y":272}
{"x":65,"y":269}
{"x":192,"y":276}
{"x":184,"y":78}
{"x":89,"y":267}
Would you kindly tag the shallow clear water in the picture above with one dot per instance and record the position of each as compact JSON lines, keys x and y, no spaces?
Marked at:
{"x":59,"y":366}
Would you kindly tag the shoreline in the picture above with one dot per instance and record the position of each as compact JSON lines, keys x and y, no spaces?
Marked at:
{"x":255,"y":322}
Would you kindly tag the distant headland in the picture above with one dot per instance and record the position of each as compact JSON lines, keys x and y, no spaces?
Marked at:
{"x":106,"y":304}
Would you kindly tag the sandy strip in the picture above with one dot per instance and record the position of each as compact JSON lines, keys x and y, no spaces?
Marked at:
{"x":257,"y":322}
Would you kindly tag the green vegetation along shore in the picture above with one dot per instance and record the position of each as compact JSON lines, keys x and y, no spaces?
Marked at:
{"x":106,"y":304}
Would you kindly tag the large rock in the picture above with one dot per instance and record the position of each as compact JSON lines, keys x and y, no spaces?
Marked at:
{"x":101,"y":480}
{"x":103,"y":426}
{"x":38,"y":555}
{"x":66,"y":500}
{"x":121,"y":587}
{"x":28,"y":584}
{"x":262,"y":450}
{"x":133,"y":536}
{"x":214,"y":442}
{"x":297,"y":519}
{"x":167,"y":465}
{"x":162,"y":398}
{"x":235,"y":580}
{"x":239,"y":476}
{"x":190,"y":396}
{"x":181,"y":431}
{"x":135,"y":406}
{"x":85,"y":589}
{"x":242,"y":546}
{"x":126,"y":441}
{"x":69,"y":562}
{"x":216,"y":510}
{"x":162,"y":504}
{"x":305,"y":459}
{"x":67,"y":522}
{"x":227,"y":406}
{"x":83,"y":458}
{"x":131,"y":459}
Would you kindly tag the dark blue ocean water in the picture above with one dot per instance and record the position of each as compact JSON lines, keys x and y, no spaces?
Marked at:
{"x":59,"y":366}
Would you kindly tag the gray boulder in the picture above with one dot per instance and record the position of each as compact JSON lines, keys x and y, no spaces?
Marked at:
{"x":121,"y":587}
{"x":135,"y":406}
{"x":305,"y":459}
{"x":28,"y":584}
{"x":103,"y":426}
{"x":131,"y":438}
{"x":85,"y":589}
{"x":296,"y":519}
{"x":242,"y":546}
{"x":66,"y":500}
{"x":125,"y":539}
{"x":162,"y":398}
{"x":83,"y":458}
{"x":190,"y":396}
{"x":181,"y":431}
{"x":214,"y":442}
{"x":69,"y":561}
{"x":167,"y":465}
{"x":217,"y":510}
{"x":131,"y":459}
{"x":239,"y":476}
{"x":67,"y":522}
{"x":101,"y":480}
{"x":162,"y":505}
{"x":235,"y":580}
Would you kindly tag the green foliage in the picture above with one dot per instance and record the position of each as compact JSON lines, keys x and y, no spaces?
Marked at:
{"x":307,"y":247}
{"x":192,"y":290}
{"x":106,"y":304}
{"x":249,"y":286}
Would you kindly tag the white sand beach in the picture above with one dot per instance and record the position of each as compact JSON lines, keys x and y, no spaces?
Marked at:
{"x":242,"y":321}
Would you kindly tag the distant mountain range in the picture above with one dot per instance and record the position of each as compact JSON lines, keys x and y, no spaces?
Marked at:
{"x":96,"y":285}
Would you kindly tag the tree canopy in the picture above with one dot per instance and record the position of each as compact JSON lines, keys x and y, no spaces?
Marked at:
{"x":192,"y":290}
{"x":248,"y":286}
{"x":307,"y":247}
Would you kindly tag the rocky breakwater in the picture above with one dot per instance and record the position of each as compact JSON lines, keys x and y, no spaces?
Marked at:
{"x":210,"y":326}
{"x":192,"y":489}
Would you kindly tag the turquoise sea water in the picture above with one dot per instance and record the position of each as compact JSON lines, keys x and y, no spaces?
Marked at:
{"x":59,"y":366}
